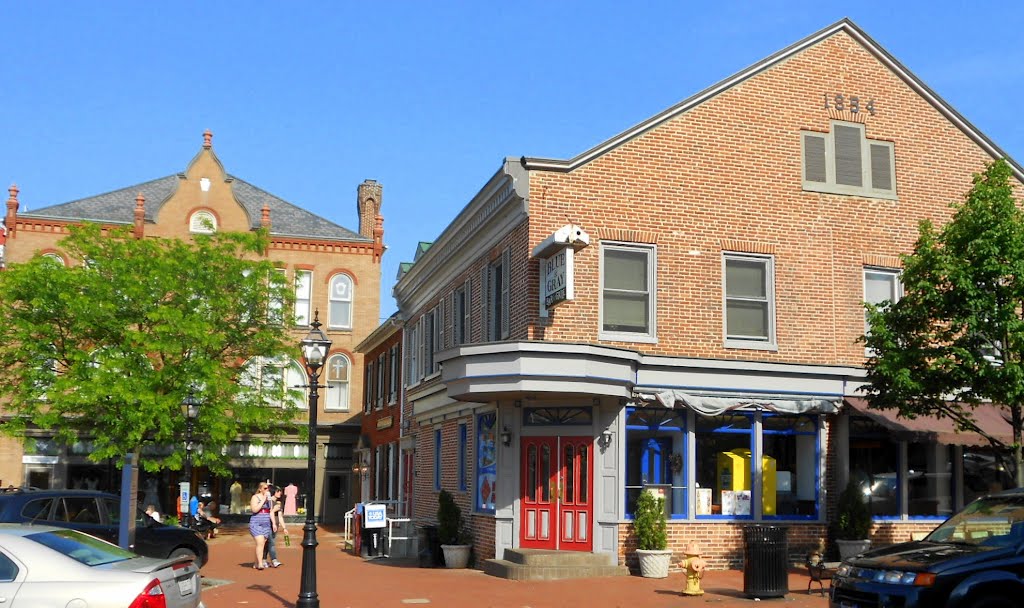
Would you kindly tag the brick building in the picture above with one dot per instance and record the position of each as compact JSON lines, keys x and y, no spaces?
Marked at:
{"x":679,"y":306}
{"x":333,"y":269}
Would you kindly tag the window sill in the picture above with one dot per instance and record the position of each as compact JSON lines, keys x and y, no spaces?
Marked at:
{"x":750,"y":345}
{"x":849,"y":191}
{"x":336,"y":410}
{"x":611,"y":336}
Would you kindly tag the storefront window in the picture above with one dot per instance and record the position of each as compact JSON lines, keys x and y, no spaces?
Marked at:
{"x":930,"y":481}
{"x":723,"y":468}
{"x":874,"y":464}
{"x":790,"y":465}
{"x":655,"y":449}
{"x":985,"y":471}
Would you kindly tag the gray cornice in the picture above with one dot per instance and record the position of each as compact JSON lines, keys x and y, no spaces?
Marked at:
{"x":497,"y":208}
{"x":844,"y":25}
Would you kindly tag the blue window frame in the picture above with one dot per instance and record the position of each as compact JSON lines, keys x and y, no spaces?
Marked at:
{"x":792,"y":452}
{"x":723,"y":472}
{"x":655,"y":457}
{"x":437,"y":459}
{"x":463,"y":433}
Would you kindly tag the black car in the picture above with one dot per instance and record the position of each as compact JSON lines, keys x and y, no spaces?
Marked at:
{"x":98,"y":513}
{"x":973,"y":560}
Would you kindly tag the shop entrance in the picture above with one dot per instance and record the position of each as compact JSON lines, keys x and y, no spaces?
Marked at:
{"x":557,"y":493}
{"x":336,"y":498}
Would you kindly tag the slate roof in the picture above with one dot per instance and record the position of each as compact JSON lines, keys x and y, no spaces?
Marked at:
{"x":118,"y":207}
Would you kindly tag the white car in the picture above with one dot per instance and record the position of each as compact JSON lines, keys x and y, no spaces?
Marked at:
{"x":47,"y":566}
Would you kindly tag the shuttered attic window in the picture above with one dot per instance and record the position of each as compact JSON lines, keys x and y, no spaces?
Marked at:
{"x":846,"y":162}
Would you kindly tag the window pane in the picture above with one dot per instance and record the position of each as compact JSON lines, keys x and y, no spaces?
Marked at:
{"x":930,"y":480}
{"x":879,"y":287}
{"x":570,"y":474}
{"x":746,"y":278}
{"x":625,"y":312}
{"x":584,"y":470}
{"x":302,"y":291}
{"x":874,"y":460}
{"x":723,"y":464}
{"x":625,"y":270}
{"x":746,"y":319}
{"x":789,"y":470}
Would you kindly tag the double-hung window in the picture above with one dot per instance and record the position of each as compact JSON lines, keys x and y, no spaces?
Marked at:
{"x":845,"y":161}
{"x":749,"y":295}
{"x":303,"y":287}
{"x":494,"y":303}
{"x":381,"y":387}
{"x":337,"y":383}
{"x":880,"y":286}
{"x":393,"y":376}
{"x":628,"y":302}
{"x":460,"y":315}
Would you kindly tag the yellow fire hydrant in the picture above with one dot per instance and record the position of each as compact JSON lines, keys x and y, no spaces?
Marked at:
{"x":694,"y":565}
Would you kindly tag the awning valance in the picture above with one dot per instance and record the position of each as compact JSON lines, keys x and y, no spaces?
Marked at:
{"x":989,"y":418}
{"x":712,"y":406}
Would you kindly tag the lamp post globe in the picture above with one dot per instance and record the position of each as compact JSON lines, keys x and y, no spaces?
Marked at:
{"x":315,"y":347}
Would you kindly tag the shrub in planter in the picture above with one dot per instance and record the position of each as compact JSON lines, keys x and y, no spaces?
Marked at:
{"x":456,"y":541}
{"x":853,"y":521}
{"x":651,"y":528}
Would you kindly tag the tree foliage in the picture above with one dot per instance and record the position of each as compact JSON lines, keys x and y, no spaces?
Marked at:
{"x":106,"y":348}
{"x":956,"y":337}
{"x":853,"y":516}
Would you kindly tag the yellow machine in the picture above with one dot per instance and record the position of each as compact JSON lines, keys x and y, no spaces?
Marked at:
{"x":734,"y":474}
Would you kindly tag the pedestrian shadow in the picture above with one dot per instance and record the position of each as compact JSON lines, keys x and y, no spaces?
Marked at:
{"x":268,"y":590}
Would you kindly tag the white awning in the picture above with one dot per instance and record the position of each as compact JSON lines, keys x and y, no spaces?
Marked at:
{"x":712,"y":406}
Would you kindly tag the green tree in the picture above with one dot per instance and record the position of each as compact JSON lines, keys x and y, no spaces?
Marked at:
{"x":956,"y":338}
{"x":107,"y":348}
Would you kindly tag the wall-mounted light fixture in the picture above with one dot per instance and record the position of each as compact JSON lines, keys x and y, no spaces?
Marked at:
{"x":517,"y":403}
{"x":506,"y":436}
{"x":605,"y":439}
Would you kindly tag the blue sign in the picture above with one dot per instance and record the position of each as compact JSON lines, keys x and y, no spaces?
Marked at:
{"x":375,"y":516}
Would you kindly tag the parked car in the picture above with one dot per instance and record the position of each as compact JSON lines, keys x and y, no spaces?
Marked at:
{"x":98,"y":513}
{"x":50,"y":566}
{"x":975,"y":559}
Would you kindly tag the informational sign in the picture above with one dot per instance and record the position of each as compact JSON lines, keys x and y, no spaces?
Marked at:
{"x":184,"y":495}
{"x":558,"y":278}
{"x":375,"y":515}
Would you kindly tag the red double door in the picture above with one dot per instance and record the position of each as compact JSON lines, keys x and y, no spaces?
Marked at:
{"x":557,"y":508}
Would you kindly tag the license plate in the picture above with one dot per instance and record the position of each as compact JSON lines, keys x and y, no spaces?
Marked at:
{"x":187,"y":586}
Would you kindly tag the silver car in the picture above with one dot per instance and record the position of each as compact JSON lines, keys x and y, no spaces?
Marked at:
{"x":49,"y":566}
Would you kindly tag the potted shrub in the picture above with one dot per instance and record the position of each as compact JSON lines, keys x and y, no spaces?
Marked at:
{"x":456,"y":542}
{"x":853,"y":522}
{"x":651,"y":528}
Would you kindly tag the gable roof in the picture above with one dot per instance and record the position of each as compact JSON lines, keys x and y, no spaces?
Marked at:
{"x":118,"y":207}
{"x":843,"y":25}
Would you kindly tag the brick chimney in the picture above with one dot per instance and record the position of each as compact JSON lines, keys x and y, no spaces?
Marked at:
{"x":207,"y":139}
{"x":265,"y":216}
{"x":140,"y":216}
{"x":12,"y":210}
{"x":368,"y":203}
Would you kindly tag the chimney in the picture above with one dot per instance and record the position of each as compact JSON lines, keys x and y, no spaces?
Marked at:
{"x":207,"y":139}
{"x":368,"y":196}
{"x":12,"y":209}
{"x":140,"y":215}
{"x":265,"y":216}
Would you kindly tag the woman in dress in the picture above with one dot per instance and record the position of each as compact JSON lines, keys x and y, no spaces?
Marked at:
{"x":260,"y":525}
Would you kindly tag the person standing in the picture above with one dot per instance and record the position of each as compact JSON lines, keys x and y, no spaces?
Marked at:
{"x":277,"y":526}
{"x":260,"y":526}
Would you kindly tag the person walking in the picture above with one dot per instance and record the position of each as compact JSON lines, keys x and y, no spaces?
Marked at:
{"x":277,"y":526}
{"x":260,"y":526}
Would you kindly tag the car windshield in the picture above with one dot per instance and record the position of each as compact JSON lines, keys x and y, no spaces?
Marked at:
{"x":995,"y":521}
{"x":81,"y":547}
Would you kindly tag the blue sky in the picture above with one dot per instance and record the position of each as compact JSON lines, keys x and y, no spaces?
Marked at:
{"x":308,"y":99}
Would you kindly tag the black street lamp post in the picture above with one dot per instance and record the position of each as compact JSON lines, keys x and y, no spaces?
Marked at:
{"x":314,"y":349}
{"x":191,"y":405}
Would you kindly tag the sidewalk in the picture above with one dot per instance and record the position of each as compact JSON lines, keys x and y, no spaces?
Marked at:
{"x":345,"y":581}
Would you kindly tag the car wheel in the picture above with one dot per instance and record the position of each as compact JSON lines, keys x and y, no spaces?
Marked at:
{"x":993,"y":601}
{"x":184,"y":552}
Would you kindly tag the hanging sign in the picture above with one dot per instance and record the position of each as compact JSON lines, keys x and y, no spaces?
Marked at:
{"x":555,"y":254}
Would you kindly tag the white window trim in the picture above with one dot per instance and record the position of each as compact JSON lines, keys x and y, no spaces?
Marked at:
{"x":333,"y":323}
{"x":338,"y":385}
{"x":896,"y":274}
{"x":195,"y":222}
{"x":771,"y":343}
{"x":309,"y":299}
{"x":651,"y":335}
{"x":830,"y":186}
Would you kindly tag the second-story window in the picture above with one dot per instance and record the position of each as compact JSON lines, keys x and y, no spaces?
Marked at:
{"x":303,"y":289}
{"x":627,"y":292}
{"x":494,"y":305}
{"x":749,"y":301}
{"x":393,"y":376}
{"x":337,"y":383}
{"x":340,"y":313}
{"x":368,"y":386}
{"x":381,"y":372}
{"x":460,"y":315}
{"x":880,"y":286}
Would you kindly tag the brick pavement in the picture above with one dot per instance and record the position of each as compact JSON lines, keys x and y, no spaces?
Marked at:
{"x":345,"y":581}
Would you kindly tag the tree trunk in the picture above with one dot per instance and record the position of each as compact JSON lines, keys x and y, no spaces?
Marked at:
{"x":1015,"y":419}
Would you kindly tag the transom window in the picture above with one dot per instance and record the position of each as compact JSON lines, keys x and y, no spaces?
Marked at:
{"x":627,"y":292}
{"x":340,"y":314}
{"x":202,"y":222}
{"x":542,"y":416}
{"x":749,"y":301}
{"x":845,"y":161}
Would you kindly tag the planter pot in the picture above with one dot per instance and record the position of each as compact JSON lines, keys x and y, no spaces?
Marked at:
{"x":456,"y":556}
{"x":849,"y":548}
{"x":653,"y":563}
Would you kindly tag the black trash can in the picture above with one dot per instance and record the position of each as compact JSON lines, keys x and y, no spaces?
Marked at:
{"x":430,"y":555}
{"x":765,"y":557}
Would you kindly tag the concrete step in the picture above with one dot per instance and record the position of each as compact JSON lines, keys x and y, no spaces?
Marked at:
{"x":547,"y":558}
{"x":506,"y":569}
